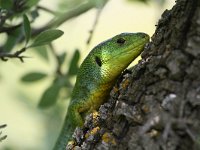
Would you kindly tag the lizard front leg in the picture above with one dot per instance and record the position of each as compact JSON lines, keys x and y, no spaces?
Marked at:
{"x":77,"y":112}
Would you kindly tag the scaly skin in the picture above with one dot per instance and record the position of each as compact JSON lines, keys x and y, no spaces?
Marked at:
{"x":96,"y":77}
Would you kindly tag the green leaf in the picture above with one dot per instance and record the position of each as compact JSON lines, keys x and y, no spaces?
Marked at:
{"x":61,"y":58}
{"x":31,"y":3}
{"x":143,"y":1}
{"x":73,"y":68}
{"x":12,"y":39}
{"x":42,"y":51}
{"x":33,"y":76}
{"x":50,"y":96}
{"x":46,"y":37}
{"x":34,"y":14}
{"x":27,"y":28}
{"x":6,"y":4}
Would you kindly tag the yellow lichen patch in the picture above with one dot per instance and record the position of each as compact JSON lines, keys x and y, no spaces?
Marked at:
{"x":154,"y":133}
{"x":108,"y":138}
{"x":70,"y":145}
{"x":95,"y":116}
{"x":115,"y":89}
{"x":92,"y":132}
{"x":145,"y":108}
{"x":87,"y":135}
{"x":125,"y":83}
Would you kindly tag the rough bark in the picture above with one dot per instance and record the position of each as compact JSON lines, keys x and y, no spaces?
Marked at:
{"x":156,"y":105}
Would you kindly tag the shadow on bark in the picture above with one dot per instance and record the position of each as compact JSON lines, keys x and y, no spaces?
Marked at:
{"x":155,"y":105}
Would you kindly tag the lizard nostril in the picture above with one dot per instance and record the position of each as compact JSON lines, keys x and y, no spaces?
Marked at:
{"x":142,"y":35}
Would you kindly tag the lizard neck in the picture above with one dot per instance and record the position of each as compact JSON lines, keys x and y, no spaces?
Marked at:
{"x":93,"y":92}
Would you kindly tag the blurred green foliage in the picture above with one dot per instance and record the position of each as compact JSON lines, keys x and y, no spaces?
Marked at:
{"x":4,"y":136}
{"x":160,"y":2}
{"x":21,"y":33}
{"x":33,"y":77}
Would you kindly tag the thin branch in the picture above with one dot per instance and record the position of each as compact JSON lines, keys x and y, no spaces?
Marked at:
{"x":58,"y":67}
{"x":46,"y":10}
{"x":62,"y":18}
{"x":5,"y":136}
{"x":57,"y":21}
{"x":17,"y":54}
{"x":9,"y":29}
{"x":3,"y":126}
{"x":99,"y":11}
{"x":94,"y":25}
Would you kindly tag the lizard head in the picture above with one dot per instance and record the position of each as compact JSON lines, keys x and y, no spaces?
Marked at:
{"x":107,"y":60}
{"x":111,"y":57}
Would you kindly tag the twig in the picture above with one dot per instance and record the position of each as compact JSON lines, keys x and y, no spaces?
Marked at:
{"x":46,"y":10}
{"x":3,"y":126}
{"x":58,"y":68}
{"x":94,"y":25}
{"x":5,"y":136}
{"x":57,"y":21}
{"x":9,"y":29}
{"x":98,"y":14}
{"x":62,"y":18}
{"x":17,"y":54}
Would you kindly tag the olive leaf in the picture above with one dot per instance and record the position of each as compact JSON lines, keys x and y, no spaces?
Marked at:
{"x":46,"y":37}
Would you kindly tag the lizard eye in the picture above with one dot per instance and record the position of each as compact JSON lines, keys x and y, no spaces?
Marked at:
{"x":121,"y":41}
{"x":98,"y":61}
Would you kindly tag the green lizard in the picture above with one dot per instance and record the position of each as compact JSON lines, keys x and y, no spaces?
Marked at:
{"x":96,"y":77}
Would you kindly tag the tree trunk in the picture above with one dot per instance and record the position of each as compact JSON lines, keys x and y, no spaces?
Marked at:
{"x":156,"y":105}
